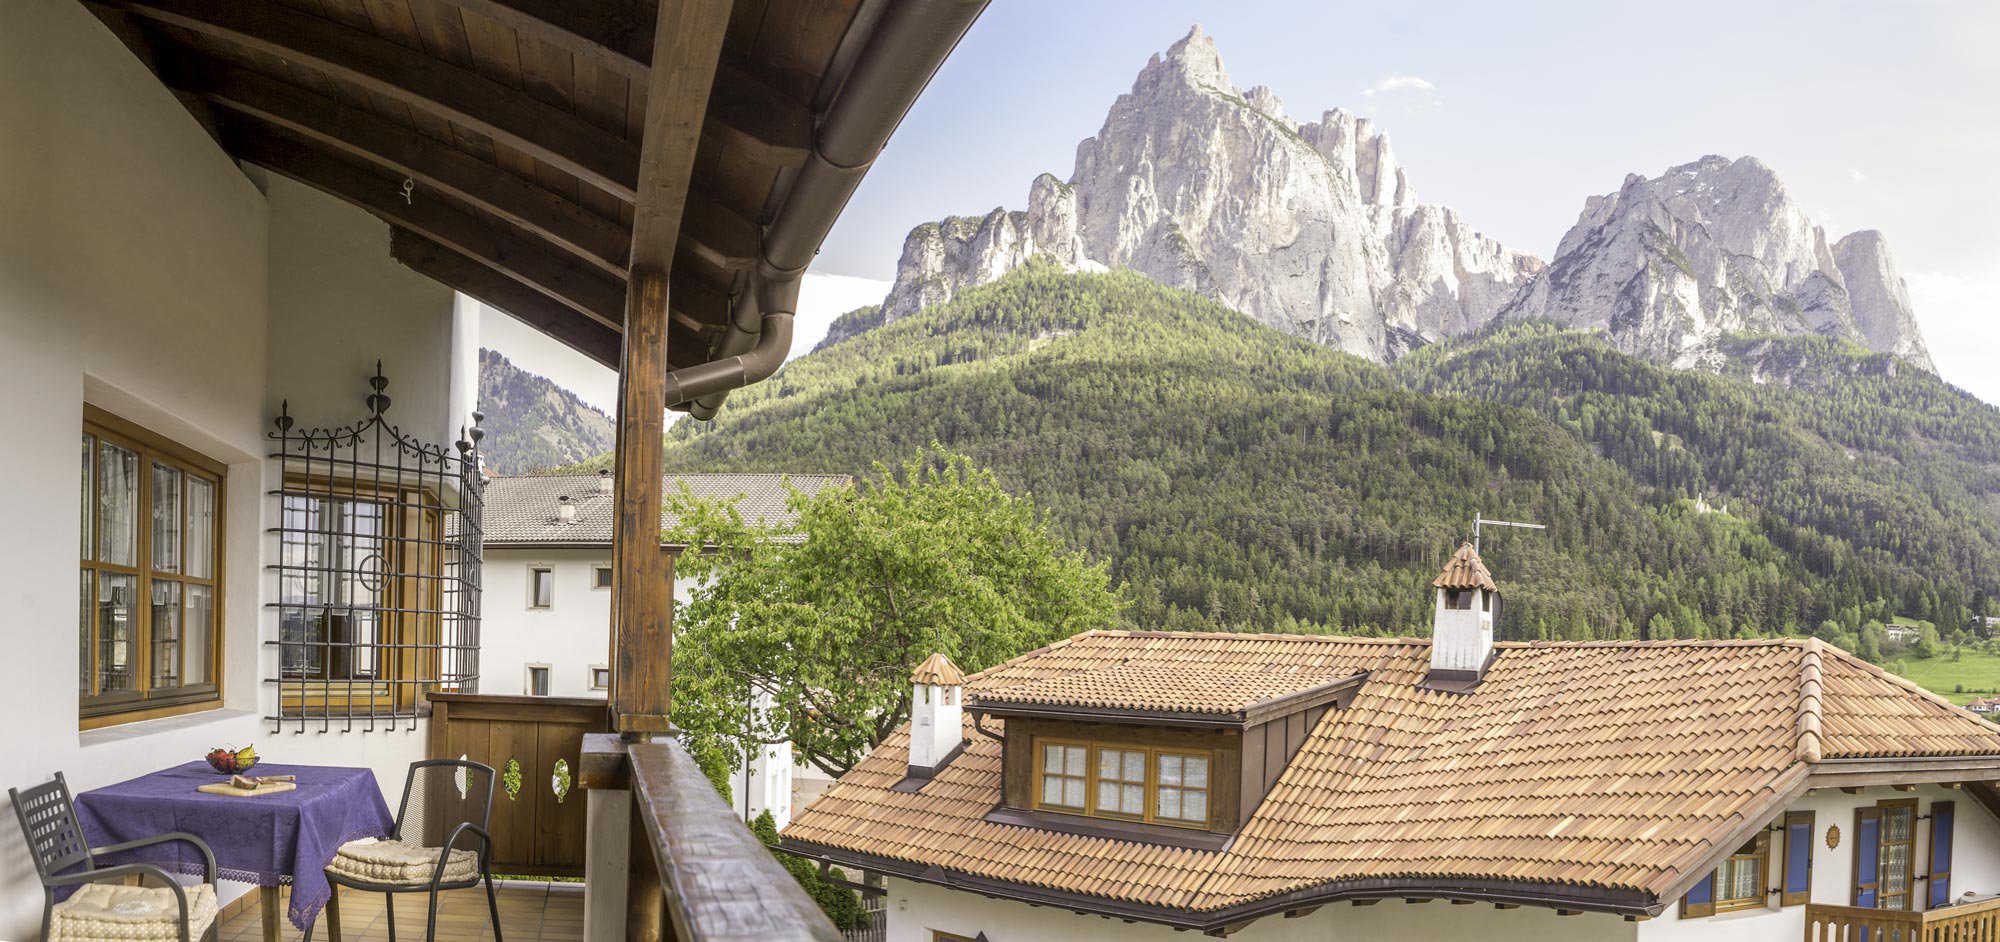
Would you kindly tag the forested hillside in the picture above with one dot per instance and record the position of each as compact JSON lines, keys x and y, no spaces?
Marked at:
{"x":533,"y":424}
{"x":1235,"y":477}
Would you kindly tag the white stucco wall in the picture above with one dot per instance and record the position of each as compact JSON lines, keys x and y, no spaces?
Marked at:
{"x":1975,"y":865}
{"x":143,"y":272}
{"x":916,"y":909}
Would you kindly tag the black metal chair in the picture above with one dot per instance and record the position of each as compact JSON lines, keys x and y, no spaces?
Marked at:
{"x":55,"y":840}
{"x":446,"y":802}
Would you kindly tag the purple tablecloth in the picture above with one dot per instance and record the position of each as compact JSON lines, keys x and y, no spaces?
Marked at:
{"x":267,"y":840}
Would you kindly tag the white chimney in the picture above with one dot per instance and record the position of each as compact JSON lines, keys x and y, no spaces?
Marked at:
{"x":1462,"y":626}
{"x":936,"y":730}
{"x":565,"y":509}
{"x":604,"y":484}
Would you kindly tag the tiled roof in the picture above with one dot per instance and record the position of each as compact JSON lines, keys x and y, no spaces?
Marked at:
{"x":1465,"y":571}
{"x":1157,"y":687}
{"x":1617,"y":766}
{"x":521,"y":510}
{"x":938,"y":670}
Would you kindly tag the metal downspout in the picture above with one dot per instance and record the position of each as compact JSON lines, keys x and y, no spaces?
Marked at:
{"x":909,"y":43}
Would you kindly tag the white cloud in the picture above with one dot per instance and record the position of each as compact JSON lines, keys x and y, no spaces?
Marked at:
{"x":1958,"y":313}
{"x":1400,"y":83}
{"x":1856,"y":175}
{"x":825,"y":297}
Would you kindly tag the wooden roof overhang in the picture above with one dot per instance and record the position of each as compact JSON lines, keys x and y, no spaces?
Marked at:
{"x":530,"y":153}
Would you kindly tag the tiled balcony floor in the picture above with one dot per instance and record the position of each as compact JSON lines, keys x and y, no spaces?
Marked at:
{"x":554,"y":914}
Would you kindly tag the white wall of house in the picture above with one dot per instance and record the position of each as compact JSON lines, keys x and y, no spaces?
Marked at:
{"x":574,"y":633}
{"x":143,"y":272}
{"x":915,"y":909}
{"x":1975,"y":865}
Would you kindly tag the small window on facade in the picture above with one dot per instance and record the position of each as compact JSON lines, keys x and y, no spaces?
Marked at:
{"x":1183,"y":793}
{"x":538,"y":680}
{"x":600,"y":677}
{"x":600,"y":577}
{"x":541,"y":587}
{"x":1121,"y":782}
{"x":149,"y":580}
{"x":1739,"y":882}
{"x":1457,"y":599}
{"x":1065,"y":775}
{"x":1485,"y":601}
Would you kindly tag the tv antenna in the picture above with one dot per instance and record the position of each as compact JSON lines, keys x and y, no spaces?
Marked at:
{"x":1480,"y":521}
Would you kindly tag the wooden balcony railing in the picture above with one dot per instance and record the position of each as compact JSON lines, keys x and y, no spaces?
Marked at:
{"x":537,"y":830}
{"x":1966,"y":922}
{"x":696,"y":873}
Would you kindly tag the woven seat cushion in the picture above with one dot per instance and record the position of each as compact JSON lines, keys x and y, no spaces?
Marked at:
{"x":399,"y":863}
{"x":104,"y":912}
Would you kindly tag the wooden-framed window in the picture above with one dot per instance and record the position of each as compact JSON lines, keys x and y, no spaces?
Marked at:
{"x":1156,"y":785}
{"x":600,"y":576}
{"x":1182,"y":797}
{"x":538,"y":680}
{"x":149,"y":628}
{"x":600,"y":677}
{"x":1062,"y":775}
{"x":1739,"y":882}
{"x":1896,"y":853}
{"x":541,"y":587}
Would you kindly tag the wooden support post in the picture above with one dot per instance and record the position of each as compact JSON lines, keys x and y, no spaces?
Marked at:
{"x":645,"y":898}
{"x":643,"y":610}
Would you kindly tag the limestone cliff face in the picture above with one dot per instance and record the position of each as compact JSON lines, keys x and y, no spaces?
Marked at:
{"x":1310,"y":228}
{"x":1668,"y":266}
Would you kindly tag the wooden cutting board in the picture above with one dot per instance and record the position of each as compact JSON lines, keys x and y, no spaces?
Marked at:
{"x":224,"y":788}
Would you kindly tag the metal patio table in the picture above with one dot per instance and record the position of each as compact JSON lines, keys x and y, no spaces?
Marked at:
{"x":285,"y":838}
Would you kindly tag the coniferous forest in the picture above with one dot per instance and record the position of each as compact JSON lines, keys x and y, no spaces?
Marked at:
{"x":1237,"y":478}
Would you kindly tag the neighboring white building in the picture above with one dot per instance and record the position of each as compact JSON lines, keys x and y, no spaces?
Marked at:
{"x":1129,"y":785}
{"x":546,"y":616}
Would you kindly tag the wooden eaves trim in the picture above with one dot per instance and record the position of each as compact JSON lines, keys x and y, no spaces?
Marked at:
{"x":1362,"y":892}
{"x":1861,"y":773}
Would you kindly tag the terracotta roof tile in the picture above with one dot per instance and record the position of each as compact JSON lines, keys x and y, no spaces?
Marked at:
{"x":521,"y":510}
{"x":938,"y":670}
{"x":1617,"y":765}
{"x":1465,"y":571}
{"x":1162,"y":688}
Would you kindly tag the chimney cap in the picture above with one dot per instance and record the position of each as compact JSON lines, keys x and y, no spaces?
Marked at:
{"x":1465,"y":571}
{"x":938,"y":671}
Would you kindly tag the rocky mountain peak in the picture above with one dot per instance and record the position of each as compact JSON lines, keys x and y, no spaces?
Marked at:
{"x":1668,"y":264}
{"x":1313,"y":229}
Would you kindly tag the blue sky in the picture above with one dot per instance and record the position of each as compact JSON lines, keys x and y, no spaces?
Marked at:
{"x":1876,"y":115}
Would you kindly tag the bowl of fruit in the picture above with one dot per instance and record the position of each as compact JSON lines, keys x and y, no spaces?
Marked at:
{"x":232,"y":761}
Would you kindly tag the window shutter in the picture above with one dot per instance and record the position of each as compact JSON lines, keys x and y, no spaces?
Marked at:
{"x":1700,"y":898}
{"x":1867,"y":855}
{"x":1797,"y":864}
{"x":1942,"y":814}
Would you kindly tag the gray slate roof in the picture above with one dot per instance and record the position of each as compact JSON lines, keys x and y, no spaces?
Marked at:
{"x":521,"y":511}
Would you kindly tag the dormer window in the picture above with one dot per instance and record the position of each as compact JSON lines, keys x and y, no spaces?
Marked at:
{"x":1127,"y":782}
{"x":1133,"y":753}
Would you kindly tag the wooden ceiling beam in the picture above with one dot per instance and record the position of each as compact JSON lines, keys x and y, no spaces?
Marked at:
{"x":763,"y":123}
{"x":524,"y":303}
{"x":770,"y":126}
{"x":543,"y":131}
{"x":612,"y":34}
{"x":719,"y":235}
{"x":562,"y":278}
{"x":431,"y":163}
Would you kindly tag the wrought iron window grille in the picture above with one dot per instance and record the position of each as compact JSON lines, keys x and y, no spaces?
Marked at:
{"x":377,"y":571}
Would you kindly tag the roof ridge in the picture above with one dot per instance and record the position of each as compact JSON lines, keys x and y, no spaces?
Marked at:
{"x":1810,"y":695}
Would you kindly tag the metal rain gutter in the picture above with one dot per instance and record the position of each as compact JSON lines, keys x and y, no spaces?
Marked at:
{"x":908,"y":44}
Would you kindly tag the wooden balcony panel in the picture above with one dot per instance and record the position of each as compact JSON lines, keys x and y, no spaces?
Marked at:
{"x":1979,"y":920}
